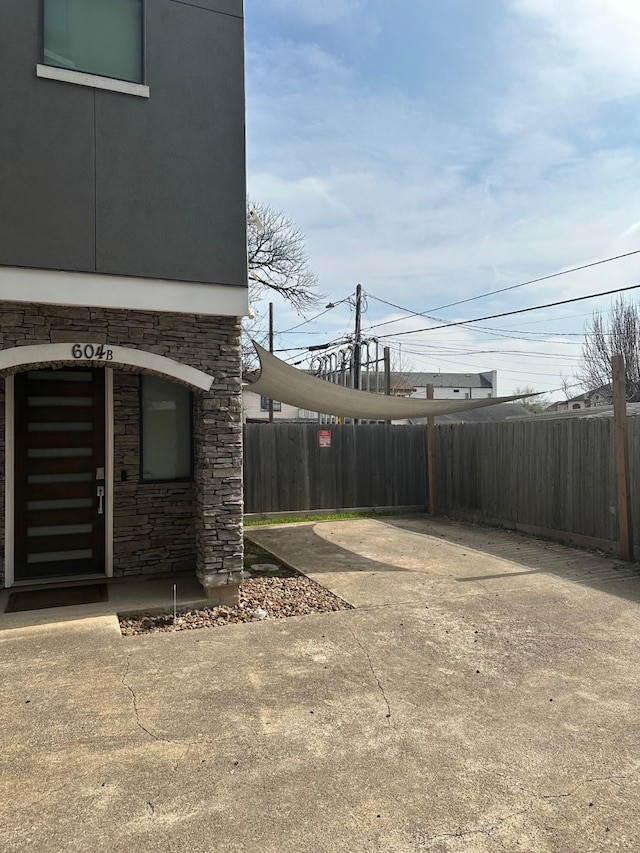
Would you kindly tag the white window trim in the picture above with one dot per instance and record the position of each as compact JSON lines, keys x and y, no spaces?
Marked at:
{"x":109,"y":465}
{"x":66,"y":75}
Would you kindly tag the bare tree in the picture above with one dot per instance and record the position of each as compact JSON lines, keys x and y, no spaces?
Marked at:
{"x":536,"y":402}
{"x":567,"y":384}
{"x":277,"y":262}
{"x":619,"y":335}
{"x":278,"y":259}
{"x":253,"y":329}
{"x":401,"y":367}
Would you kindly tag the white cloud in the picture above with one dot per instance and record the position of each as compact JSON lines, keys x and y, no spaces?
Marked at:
{"x":425,"y":210}
{"x":603,"y":34}
{"x":321,"y":12}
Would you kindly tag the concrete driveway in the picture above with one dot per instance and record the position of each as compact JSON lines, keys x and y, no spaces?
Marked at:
{"x":483,"y":695}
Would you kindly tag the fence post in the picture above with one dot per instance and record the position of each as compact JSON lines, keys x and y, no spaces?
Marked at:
{"x":271,"y":351}
{"x":431,"y":455}
{"x":625,"y":526}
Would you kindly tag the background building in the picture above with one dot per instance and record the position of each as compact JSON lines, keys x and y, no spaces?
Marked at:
{"x":447,"y":386}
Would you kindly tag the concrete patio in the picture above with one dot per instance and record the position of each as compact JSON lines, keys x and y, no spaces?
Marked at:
{"x":483,"y":695}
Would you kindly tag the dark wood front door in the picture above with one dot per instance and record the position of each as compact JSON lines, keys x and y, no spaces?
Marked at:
{"x":60,"y":500}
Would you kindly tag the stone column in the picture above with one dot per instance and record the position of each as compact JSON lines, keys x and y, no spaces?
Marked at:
{"x":218,"y":478}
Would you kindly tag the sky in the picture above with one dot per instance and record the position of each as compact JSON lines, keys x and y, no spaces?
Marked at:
{"x":434,"y":150}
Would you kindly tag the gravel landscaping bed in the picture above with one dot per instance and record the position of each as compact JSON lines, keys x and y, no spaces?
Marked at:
{"x":261,"y":597}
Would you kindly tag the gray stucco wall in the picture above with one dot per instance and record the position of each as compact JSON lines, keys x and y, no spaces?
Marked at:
{"x":98,"y":181}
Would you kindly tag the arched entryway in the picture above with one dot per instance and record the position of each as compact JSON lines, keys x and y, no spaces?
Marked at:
{"x":59,"y":454}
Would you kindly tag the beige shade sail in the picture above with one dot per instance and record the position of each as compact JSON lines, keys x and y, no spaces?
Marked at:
{"x":279,"y":381}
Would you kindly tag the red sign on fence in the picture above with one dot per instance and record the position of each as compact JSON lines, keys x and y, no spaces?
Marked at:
{"x":324,"y":438}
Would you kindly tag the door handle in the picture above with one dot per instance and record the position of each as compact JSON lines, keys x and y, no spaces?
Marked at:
{"x":100,"y":494}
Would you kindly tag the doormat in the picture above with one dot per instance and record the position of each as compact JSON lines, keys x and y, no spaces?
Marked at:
{"x":61,"y":596}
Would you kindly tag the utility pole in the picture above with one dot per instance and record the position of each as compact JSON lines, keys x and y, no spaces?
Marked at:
{"x":271,"y":351}
{"x":387,"y":373}
{"x":356,"y":347}
{"x":357,"y":339}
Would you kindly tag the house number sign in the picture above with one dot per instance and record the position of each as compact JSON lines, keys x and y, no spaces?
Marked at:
{"x":91,"y":352}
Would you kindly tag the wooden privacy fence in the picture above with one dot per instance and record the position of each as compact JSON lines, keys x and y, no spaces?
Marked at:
{"x":368,"y":465}
{"x":551,"y":477}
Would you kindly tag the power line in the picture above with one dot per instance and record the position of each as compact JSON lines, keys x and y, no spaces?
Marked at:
{"x":520,"y":332}
{"x":514,"y":353}
{"x":500,"y":290}
{"x":465,"y":341}
{"x":541,"y":278}
{"x":559,"y":319}
{"x":328,"y":308}
{"x":466,"y":364}
{"x":510,"y":313}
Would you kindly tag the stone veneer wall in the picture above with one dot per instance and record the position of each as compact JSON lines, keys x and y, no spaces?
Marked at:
{"x":153,"y":523}
{"x":159,"y":527}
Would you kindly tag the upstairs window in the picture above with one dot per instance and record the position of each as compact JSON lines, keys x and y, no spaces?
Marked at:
{"x":102,"y":37}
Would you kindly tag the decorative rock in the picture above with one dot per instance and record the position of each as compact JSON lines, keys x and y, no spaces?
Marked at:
{"x":277,"y":598}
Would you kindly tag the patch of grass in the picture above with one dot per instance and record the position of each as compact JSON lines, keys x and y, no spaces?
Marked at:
{"x":297,"y":519}
{"x":255,"y":555}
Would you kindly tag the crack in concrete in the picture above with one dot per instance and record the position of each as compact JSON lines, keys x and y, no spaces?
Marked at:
{"x":614,"y":777}
{"x":487,"y":831}
{"x":373,"y":672}
{"x":134,"y":701}
{"x":483,"y":830}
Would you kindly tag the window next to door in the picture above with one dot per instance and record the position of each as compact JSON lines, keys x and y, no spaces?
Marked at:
{"x":264,"y":405}
{"x":165,"y":430}
{"x":97,"y":43}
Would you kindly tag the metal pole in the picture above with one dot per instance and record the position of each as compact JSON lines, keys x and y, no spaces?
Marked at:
{"x":333,"y":373}
{"x":270,"y":350}
{"x":625,"y":521}
{"x":356,"y":349}
{"x":387,"y":373}
{"x":324,"y":374}
{"x":367,"y":363}
{"x":356,"y":346}
{"x":344,"y":363}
